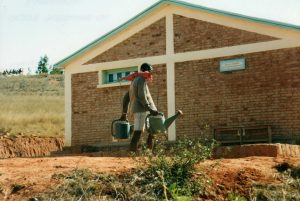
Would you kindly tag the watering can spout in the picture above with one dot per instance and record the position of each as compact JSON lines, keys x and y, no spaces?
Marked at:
{"x":171,"y":119}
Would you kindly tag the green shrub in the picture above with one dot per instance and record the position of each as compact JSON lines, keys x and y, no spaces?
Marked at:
{"x":232,"y":196}
{"x":295,"y":172}
{"x":167,"y":174}
{"x":170,"y":172}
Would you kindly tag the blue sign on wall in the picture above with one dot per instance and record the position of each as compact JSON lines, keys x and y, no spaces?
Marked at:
{"x":232,"y":65}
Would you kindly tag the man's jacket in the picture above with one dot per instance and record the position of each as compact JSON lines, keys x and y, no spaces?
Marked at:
{"x":139,"y":97}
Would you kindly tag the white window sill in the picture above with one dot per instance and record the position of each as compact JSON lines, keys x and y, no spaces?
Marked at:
{"x":113,"y":85}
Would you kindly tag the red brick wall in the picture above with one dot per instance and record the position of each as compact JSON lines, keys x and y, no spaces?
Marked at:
{"x":93,"y":109}
{"x":267,"y":92}
{"x":191,"y":35}
{"x":150,"y":41}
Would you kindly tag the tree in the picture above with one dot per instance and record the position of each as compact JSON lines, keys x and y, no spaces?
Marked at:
{"x":12,"y":72}
{"x":20,"y":71}
{"x":55,"y":70}
{"x":43,"y":65}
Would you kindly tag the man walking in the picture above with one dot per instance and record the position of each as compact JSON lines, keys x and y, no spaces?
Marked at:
{"x":141,"y":103}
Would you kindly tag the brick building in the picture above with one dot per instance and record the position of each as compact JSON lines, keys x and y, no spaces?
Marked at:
{"x":222,"y":69}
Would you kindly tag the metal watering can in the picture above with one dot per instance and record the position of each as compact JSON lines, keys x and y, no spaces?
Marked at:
{"x":158,"y":124}
{"x":121,"y":129}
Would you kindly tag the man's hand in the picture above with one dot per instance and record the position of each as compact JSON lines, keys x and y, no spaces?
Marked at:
{"x":124,"y":117}
{"x":153,"y":112}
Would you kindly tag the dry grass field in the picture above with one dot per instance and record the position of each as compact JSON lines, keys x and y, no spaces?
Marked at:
{"x":32,"y":105}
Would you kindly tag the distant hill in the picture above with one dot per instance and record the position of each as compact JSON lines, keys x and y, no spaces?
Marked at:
{"x":32,"y":85}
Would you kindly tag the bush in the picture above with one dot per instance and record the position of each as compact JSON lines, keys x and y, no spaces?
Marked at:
{"x":170,"y":172}
{"x":167,"y":174}
{"x":82,"y":184}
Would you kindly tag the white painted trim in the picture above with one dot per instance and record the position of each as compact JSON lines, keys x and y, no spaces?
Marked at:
{"x":194,"y":55}
{"x":128,"y":63}
{"x":170,"y":74}
{"x":255,"y":27}
{"x":169,"y":34}
{"x":68,"y":109}
{"x":100,"y":77}
{"x":171,"y":98}
{"x":235,"y":50}
{"x":81,"y":69}
{"x":113,"y":85}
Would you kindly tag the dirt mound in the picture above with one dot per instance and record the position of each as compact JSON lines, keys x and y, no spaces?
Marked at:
{"x":21,"y":146}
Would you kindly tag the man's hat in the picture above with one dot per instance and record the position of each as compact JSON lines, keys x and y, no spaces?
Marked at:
{"x":146,"y":67}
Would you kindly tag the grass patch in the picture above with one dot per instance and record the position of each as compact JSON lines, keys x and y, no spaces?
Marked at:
{"x":45,"y":85}
{"x":288,"y":190}
{"x":295,"y":172}
{"x":1,"y":188}
{"x":39,"y":115}
{"x":32,"y":105}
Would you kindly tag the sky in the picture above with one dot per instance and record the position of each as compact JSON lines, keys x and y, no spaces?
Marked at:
{"x":30,"y":29}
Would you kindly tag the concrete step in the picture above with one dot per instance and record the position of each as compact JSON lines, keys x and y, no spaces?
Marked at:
{"x":115,"y":149}
{"x":269,"y":150}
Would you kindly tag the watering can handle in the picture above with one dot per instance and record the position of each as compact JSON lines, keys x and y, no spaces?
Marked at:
{"x":112,"y":126}
{"x":147,"y":125}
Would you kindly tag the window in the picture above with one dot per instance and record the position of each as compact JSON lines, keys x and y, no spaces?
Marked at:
{"x":113,"y":76}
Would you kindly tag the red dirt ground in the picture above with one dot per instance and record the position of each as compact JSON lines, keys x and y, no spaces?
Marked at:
{"x":238,"y":174}
{"x":36,"y":173}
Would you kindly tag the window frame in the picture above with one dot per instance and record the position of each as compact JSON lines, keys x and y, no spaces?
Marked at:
{"x":115,"y":72}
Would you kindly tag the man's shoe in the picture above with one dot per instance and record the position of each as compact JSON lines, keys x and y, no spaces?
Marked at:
{"x":135,"y":141}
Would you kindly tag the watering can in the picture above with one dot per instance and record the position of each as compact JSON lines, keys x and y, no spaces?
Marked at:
{"x":158,"y":124}
{"x":121,"y":129}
